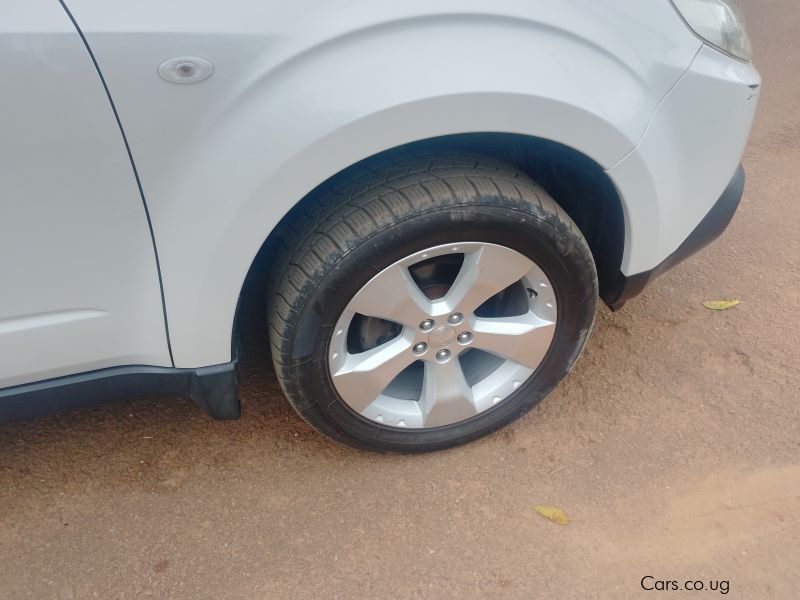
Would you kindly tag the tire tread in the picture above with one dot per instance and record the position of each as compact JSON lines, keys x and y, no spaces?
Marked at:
{"x":367,"y":200}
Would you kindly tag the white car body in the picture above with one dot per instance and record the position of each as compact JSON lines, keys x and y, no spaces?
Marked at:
{"x":104,"y":266}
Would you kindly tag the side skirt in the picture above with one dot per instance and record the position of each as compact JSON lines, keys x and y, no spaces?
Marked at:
{"x":212,"y":388}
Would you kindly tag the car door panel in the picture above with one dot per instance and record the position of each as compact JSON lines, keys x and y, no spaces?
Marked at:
{"x":79,"y":285}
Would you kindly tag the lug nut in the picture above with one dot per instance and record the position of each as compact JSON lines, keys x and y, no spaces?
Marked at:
{"x":426,"y":325}
{"x":443,"y":354}
{"x":455,"y":318}
{"x":420,"y":348}
{"x":465,"y":337}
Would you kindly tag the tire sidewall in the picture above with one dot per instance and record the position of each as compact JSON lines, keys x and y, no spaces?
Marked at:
{"x":541,"y":237}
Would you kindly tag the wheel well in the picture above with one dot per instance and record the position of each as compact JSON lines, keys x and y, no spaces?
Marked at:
{"x":576,"y":182}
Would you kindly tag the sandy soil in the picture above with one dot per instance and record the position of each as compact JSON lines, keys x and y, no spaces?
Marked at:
{"x":674,"y":447}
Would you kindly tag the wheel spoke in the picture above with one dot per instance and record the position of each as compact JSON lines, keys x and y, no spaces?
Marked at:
{"x":394,"y":296}
{"x":446,"y":396}
{"x":523,"y":339}
{"x":485,"y":272}
{"x":363,"y":376}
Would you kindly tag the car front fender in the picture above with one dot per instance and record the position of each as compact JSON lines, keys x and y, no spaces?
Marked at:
{"x":295,"y":100}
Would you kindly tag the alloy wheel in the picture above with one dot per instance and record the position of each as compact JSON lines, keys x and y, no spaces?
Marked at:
{"x":442,"y":335}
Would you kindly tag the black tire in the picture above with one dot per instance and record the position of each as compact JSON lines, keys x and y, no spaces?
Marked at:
{"x":388,"y":209}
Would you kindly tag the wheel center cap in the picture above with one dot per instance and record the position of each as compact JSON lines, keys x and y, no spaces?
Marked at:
{"x":441,"y":336}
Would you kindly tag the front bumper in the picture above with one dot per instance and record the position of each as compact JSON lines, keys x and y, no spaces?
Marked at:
{"x":709,"y":229}
{"x":675,"y":186}
{"x":685,"y":159}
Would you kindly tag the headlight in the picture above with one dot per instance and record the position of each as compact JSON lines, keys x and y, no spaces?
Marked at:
{"x":719,"y":22}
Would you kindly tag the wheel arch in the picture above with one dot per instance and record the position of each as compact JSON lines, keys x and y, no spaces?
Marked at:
{"x":576,"y":182}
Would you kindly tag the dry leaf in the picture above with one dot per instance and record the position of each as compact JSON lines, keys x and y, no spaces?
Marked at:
{"x":552,"y":513}
{"x":721,"y":304}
